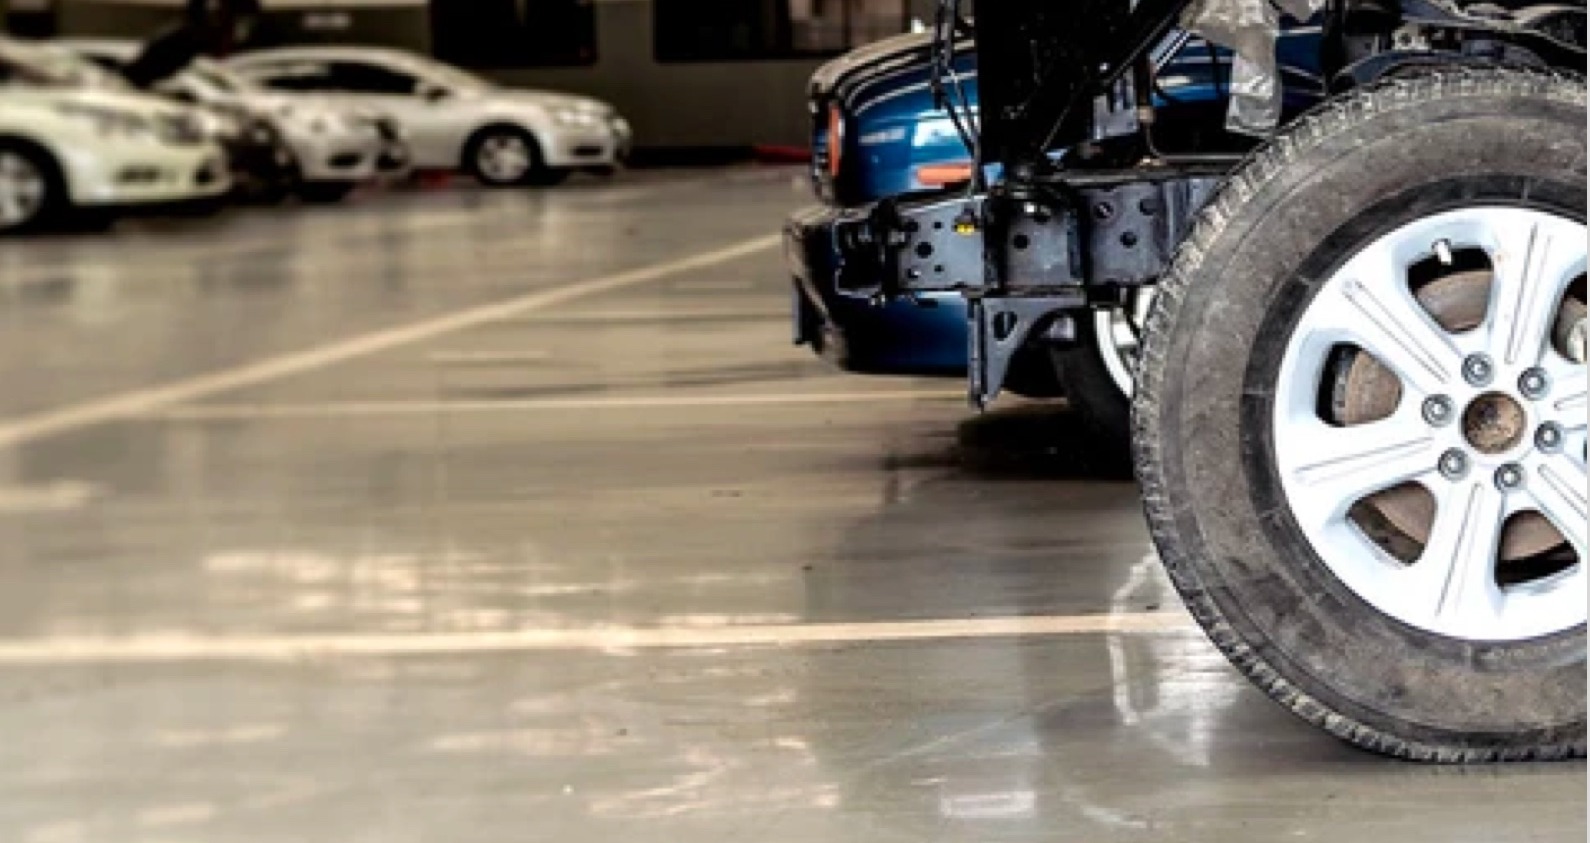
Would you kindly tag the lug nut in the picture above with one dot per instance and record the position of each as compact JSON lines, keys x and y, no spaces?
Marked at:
{"x":1454,"y":464}
{"x":1509,"y":477}
{"x":1478,"y":370}
{"x":1438,"y":410}
{"x":1549,"y":438}
{"x":1533,"y":384}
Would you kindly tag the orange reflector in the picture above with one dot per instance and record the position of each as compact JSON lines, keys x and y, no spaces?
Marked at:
{"x":938,"y":175}
{"x":836,"y":140}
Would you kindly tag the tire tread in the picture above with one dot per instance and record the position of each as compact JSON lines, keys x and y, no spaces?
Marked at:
{"x":1264,"y":165}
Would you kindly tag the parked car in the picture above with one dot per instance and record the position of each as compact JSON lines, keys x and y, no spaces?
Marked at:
{"x":255,"y":153}
{"x":68,"y":151}
{"x":454,"y":119}
{"x":331,"y":148}
{"x":877,"y":133}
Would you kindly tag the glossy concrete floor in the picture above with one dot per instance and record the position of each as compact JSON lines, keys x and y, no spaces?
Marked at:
{"x":459,"y":517}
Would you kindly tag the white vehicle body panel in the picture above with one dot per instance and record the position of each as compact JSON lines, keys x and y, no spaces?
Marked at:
{"x":331,"y":142}
{"x":570,"y":131}
{"x":103,"y":169}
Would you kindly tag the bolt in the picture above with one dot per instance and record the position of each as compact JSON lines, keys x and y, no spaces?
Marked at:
{"x":1443,"y":252}
{"x":1454,"y":464}
{"x":1478,"y":370}
{"x":1104,"y":210}
{"x":1533,"y":384}
{"x":1509,"y":477}
{"x":1438,"y":410}
{"x":1129,"y":239}
{"x":1549,"y":438}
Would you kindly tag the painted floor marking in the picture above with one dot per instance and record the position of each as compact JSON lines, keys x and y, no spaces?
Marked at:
{"x":489,"y":358}
{"x":345,"y":409}
{"x":143,"y":650}
{"x":648,"y":317}
{"x":138,"y":402}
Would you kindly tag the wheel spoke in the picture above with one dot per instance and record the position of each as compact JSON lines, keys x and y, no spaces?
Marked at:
{"x":1558,"y":490}
{"x":1378,"y":312}
{"x":1566,"y":403}
{"x":1457,"y":570}
{"x":1531,"y":274}
{"x":11,"y":207}
{"x":1338,"y":466}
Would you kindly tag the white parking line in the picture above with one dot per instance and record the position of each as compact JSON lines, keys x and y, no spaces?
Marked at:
{"x":144,"y":650}
{"x":489,"y":358}
{"x":241,"y":412}
{"x":649,"y":317}
{"x":55,"y":422}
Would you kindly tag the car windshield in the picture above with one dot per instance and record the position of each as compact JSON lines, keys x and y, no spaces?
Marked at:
{"x":453,"y":78}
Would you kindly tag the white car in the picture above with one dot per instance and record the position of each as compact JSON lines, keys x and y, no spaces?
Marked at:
{"x":335,"y":146}
{"x":66,"y":149}
{"x":454,"y":119}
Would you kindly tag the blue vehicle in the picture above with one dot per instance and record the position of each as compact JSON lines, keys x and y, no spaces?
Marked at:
{"x":878,"y":133}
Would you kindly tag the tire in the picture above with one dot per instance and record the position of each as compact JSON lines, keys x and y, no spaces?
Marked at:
{"x":324,"y":193}
{"x":1032,"y":376}
{"x":516,"y":162}
{"x":1096,"y":374}
{"x":1420,"y":671}
{"x":32,"y":190}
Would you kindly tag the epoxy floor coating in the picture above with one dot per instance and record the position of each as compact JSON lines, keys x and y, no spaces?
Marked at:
{"x":464,"y":516}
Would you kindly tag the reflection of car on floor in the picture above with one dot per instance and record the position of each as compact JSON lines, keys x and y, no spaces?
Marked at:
{"x":69,"y":152}
{"x":878,"y":133}
{"x":330,"y":148}
{"x":452,"y":118}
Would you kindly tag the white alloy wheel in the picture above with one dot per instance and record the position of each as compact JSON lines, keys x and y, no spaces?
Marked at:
{"x":1117,"y":331}
{"x":1484,"y":421}
{"x":504,"y":158}
{"x":24,"y":190}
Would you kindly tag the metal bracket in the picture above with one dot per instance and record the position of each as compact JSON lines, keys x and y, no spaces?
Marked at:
{"x":1000,"y":327}
{"x":1134,"y":228}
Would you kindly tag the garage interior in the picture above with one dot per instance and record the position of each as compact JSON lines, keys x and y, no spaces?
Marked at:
{"x":463,"y":515}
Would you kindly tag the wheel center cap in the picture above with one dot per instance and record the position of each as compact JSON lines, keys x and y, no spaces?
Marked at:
{"x":1494,"y":423}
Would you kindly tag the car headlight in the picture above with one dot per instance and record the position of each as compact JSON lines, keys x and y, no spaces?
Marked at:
{"x":329,"y":122}
{"x":223,"y":126}
{"x":576,"y":117}
{"x":110,"y":122}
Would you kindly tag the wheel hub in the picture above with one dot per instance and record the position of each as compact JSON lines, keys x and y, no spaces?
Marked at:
{"x":1494,"y":423}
